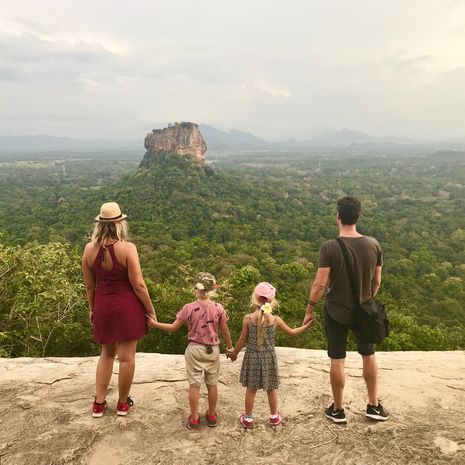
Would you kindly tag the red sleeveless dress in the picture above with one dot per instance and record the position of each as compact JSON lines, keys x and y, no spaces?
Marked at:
{"x":118,"y":314}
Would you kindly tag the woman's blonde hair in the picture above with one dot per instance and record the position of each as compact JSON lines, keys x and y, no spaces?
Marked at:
{"x":263,"y":318}
{"x":105,"y":230}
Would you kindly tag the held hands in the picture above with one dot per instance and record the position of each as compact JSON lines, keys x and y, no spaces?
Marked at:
{"x":231,"y":354}
{"x":151,"y":319}
{"x":309,"y":318}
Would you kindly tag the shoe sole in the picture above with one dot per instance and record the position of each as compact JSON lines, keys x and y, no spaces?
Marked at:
{"x":212,"y":425}
{"x":121,"y":413}
{"x":97,"y":415}
{"x":336,"y":420}
{"x":376,"y":417}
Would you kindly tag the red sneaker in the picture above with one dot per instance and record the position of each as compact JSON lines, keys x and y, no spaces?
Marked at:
{"x":212,"y":419}
{"x":98,"y":409}
{"x":246,"y":422}
{"x":122,"y":408}
{"x":275,"y":420}
{"x":192,"y":424}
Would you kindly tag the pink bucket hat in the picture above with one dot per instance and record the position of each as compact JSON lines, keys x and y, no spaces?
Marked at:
{"x":265,"y":290}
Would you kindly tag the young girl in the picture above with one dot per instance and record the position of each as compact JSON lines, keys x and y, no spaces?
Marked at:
{"x":203,"y":319}
{"x":259,"y":366}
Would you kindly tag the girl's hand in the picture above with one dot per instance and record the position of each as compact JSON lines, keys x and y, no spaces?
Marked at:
{"x":231,"y":355}
{"x":309,"y":324}
{"x":90,"y":317}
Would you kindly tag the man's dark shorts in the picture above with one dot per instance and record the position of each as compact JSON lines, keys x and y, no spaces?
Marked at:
{"x":336,"y":334}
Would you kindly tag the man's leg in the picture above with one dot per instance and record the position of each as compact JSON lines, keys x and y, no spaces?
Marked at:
{"x":336,"y":334}
{"x":337,"y":378}
{"x":370,"y":374}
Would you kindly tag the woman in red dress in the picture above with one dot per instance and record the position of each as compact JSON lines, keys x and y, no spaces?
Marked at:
{"x":119,"y":302}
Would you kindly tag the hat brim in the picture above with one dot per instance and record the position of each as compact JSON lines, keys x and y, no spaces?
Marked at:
{"x":111,"y":220}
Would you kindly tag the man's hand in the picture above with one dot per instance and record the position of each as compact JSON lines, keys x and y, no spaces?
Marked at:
{"x":309,"y":315}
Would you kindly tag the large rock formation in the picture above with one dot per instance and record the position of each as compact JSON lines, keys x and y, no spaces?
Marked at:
{"x":182,"y":139}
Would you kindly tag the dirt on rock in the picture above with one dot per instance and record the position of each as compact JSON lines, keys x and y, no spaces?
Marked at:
{"x":46,"y":414}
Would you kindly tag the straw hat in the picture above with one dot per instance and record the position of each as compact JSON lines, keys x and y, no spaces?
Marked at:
{"x":110,"y":213}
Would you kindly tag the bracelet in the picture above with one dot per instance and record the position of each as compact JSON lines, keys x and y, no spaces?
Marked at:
{"x":230,"y":349}
{"x":312,"y":303}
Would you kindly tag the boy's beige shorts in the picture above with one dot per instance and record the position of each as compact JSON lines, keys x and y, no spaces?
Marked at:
{"x":198,"y":362}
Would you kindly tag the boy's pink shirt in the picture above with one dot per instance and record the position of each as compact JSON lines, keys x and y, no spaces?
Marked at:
{"x":203,"y":318}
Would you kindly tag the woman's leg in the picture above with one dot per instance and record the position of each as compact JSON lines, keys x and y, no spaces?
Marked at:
{"x":127,"y":362}
{"x":104,"y":371}
{"x":273,"y":401}
{"x":249,"y":401}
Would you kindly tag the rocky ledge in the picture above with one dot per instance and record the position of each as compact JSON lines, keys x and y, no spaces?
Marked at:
{"x":46,"y":414}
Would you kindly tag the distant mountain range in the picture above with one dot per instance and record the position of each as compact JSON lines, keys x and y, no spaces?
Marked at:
{"x":216,"y":139}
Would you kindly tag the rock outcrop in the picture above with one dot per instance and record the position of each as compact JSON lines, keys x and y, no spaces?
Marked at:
{"x":182,"y":139}
{"x":46,"y":414}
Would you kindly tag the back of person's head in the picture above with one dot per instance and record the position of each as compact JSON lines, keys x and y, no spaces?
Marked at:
{"x":205,"y":285}
{"x":349,"y":209}
{"x":264,"y":299}
{"x":110,"y":224}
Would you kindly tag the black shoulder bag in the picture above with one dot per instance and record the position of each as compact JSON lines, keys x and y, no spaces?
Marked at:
{"x":371,"y":321}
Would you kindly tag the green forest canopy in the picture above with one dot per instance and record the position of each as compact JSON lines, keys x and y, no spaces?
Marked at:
{"x":249,"y":217}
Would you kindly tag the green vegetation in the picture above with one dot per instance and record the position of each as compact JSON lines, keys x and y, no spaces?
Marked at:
{"x":249,"y":217}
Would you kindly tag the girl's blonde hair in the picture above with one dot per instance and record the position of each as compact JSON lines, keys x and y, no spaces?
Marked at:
{"x":115,"y":230}
{"x":263,"y":318}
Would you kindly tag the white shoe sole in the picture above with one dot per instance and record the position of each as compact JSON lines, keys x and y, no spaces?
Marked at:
{"x":97,"y":415}
{"x":336,"y":420}
{"x":376,"y":417}
{"x":121,"y":414}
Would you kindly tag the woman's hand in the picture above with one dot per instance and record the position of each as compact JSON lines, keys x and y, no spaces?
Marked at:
{"x":151,"y":319}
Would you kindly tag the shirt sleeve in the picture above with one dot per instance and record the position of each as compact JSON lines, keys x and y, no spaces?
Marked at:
{"x":223,"y":314}
{"x":325,"y":259}
{"x":380,"y":256}
{"x":183,"y":314}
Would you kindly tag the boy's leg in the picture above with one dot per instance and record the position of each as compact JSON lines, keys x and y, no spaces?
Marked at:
{"x":127,"y":363}
{"x":249,"y":401}
{"x":104,"y":371}
{"x":212,"y":398}
{"x":273,"y":401}
{"x":194,"y":394}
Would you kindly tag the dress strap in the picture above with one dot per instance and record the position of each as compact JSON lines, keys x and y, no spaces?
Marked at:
{"x":111,"y":249}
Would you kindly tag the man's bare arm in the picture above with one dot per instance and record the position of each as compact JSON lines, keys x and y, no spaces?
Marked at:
{"x":317,"y":291}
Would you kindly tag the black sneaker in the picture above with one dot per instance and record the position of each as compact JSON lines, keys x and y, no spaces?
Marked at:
{"x":338,"y":416}
{"x":377,"y":412}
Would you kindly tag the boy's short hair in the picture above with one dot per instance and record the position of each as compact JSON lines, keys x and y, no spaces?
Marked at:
{"x":349,"y":209}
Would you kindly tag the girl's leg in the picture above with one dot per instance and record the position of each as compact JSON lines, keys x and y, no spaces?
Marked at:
{"x":194,"y":394}
{"x":104,"y":371}
{"x":212,"y":398}
{"x":249,"y":401}
{"x":273,"y":401}
{"x":127,"y":363}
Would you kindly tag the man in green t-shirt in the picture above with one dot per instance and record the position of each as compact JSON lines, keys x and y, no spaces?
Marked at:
{"x":366,"y":260}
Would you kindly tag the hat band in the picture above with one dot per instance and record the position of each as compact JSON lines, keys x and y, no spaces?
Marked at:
{"x":109,"y":219}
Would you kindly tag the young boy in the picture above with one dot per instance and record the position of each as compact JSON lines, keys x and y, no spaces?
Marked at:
{"x":203,"y":318}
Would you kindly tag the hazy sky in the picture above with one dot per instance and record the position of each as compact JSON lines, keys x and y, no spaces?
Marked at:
{"x":111,"y":68}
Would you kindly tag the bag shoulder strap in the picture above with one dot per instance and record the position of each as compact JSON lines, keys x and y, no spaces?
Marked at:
{"x":345,"y":254}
